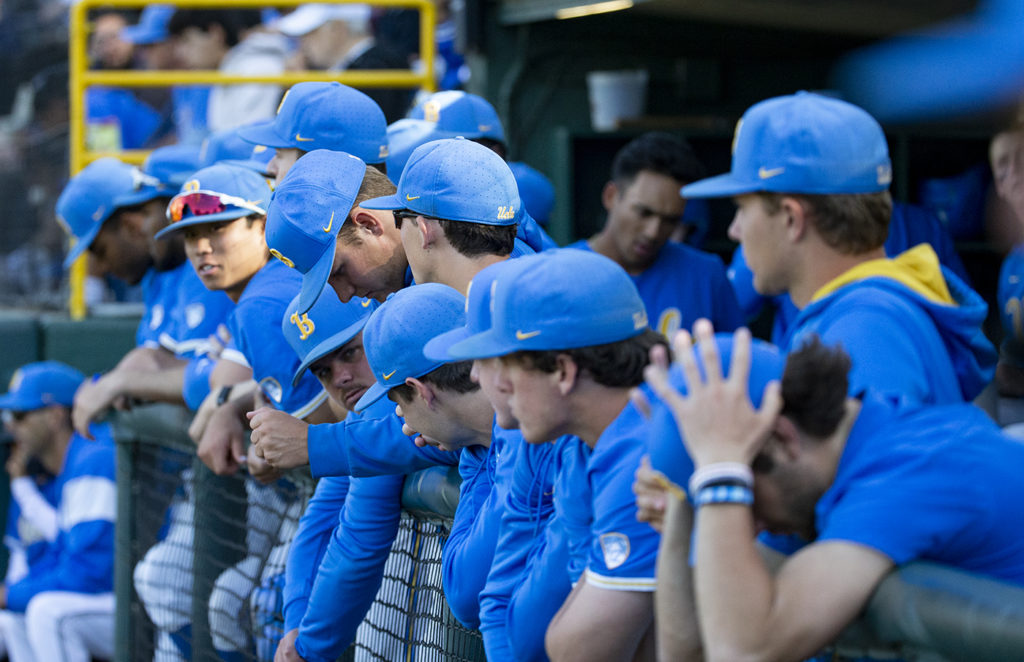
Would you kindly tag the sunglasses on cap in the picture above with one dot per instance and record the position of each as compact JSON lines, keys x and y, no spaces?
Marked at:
{"x":204,"y":203}
{"x":402,"y":214}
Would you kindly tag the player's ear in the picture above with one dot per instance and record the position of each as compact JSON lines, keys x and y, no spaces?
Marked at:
{"x":423,"y":390}
{"x":430,"y":231}
{"x":786,"y":437}
{"x":565,"y":374}
{"x":797,"y":221}
{"x":367,"y":222}
{"x":609,"y":194}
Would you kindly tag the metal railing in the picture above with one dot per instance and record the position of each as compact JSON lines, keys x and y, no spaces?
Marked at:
{"x":81,"y":78}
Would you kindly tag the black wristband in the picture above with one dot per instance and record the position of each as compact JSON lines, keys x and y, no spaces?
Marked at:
{"x":223,"y":395}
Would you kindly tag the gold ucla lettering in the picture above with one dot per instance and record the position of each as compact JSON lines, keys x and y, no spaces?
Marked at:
{"x":669,"y":322}
{"x":276,"y":253}
{"x":191,"y":185}
{"x":506,"y":213}
{"x":432,"y":111}
{"x":306,"y":326}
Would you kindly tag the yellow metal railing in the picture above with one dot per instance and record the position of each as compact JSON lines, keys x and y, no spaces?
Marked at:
{"x":81,"y":78}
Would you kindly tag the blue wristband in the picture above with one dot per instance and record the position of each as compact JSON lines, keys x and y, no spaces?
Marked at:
{"x":724,"y":494}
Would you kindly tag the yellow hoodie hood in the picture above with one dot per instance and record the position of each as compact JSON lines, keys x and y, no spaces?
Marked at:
{"x":917,"y":269}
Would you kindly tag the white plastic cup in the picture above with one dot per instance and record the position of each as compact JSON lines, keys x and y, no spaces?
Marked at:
{"x":616,"y":95}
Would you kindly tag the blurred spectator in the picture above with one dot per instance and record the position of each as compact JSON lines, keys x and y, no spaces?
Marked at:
{"x":339,"y":38}
{"x":233,"y":42}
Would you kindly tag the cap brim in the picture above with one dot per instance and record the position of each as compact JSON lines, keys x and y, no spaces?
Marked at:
{"x":328,"y":346}
{"x":10,"y":402}
{"x":391,"y":202}
{"x":314,"y":280}
{"x":484,"y":345}
{"x":373,"y":394}
{"x":436,"y":348}
{"x":141,"y":36}
{"x":721,"y":186}
{"x":81,"y":245}
{"x":228,"y":215}
{"x":263,"y":134}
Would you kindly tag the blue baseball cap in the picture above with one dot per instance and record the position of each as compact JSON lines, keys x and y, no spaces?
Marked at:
{"x":404,"y":136}
{"x":152,"y":26}
{"x":100,"y":189}
{"x":37,"y":385}
{"x":308,"y":209}
{"x":535,"y":190}
{"x":248,"y":193}
{"x":259,"y":158}
{"x":325,"y":327}
{"x":478,"y":308}
{"x":172,"y":165}
{"x":325,"y":116}
{"x":559,"y":299}
{"x":457,"y":180}
{"x":222,"y":146}
{"x":400,"y":327}
{"x":461,"y":113}
{"x":665,"y":446}
{"x":803,"y":143}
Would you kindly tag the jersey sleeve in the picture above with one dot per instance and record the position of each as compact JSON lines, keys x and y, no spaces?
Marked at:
{"x":525,"y":513}
{"x":309,"y":544}
{"x":352,"y":567}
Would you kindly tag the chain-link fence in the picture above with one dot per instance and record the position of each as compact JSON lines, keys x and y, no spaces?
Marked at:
{"x":200,"y":559}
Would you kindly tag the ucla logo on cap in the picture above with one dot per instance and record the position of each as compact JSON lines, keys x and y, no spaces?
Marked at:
{"x":276,"y":253}
{"x":98,"y":214}
{"x":640,"y":320}
{"x":506,"y":213}
{"x":432,"y":111}
{"x":190,"y":186}
{"x":306,"y":325}
{"x":383,"y":153}
{"x":884,"y":174}
{"x":271,"y":388}
{"x":615,"y":548}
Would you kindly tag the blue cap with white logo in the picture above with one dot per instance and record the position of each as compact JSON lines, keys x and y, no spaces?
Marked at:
{"x":308,"y":209}
{"x":101,"y":188}
{"x":455,"y":180}
{"x":665,"y":446}
{"x":400,"y":327}
{"x":803,"y":143}
{"x":558,"y":299}
{"x":328,"y":325}
{"x":462,"y":114}
{"x":37,"y":385}
{"x":172,"y":165}
{"x":242,"y":192}
{"x":152,"y":26}
{"x":325,"y":116}
{"x":478,"y":308}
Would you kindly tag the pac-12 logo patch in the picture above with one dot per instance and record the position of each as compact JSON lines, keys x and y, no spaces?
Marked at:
{"x":272,"y":389}
{"x":194,"y":314}
{"x":615,"y":547}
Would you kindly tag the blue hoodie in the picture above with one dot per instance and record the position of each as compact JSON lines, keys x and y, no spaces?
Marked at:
{"x":911,"y":328}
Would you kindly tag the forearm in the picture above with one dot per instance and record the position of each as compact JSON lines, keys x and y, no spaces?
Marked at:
{"x":146,"y":359}
{"x":674,"y":608}
{"x":163,"y":385}
{"x":734,"y":590}
{"x":34,"y":507}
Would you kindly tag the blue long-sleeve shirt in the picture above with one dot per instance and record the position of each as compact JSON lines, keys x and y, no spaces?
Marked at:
{"x":82,"y":557}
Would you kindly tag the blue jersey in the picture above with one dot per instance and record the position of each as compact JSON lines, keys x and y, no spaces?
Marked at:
{"x":533,"y":235}
{"x":190,"y":110}
{"x":352,"y":567}
{"x":195,"y":313}
{"x":370,"y":445}
{"x":912,"y":330}
{"x":523,"y":556}
{"x":116,"y":119}
{"x":158,"y":297}
{"x":683,"y":285}
{"x":257,"y":341}
{"x":1010,"y":297}
{"x":486,"y":473}
{"x":31,"y":525}
{"x":938,"y":484}
{"x":81,"y":559}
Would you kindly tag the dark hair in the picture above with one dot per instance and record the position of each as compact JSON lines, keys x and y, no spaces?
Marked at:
{"x":233,"y":21}
{"x":375,"y":185}
{"x":658,"y":152}
{"x":478,"y":239}
{"x":815,"y":383}
{"x":495,"y":146}
{"x":452,"y":377}
{"x":849,"y":223}
{"x":617,"y":364}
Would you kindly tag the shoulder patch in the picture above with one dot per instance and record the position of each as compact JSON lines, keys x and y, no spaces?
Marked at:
{"x":272,"y":389}
{"x":194,"y":314}
{"x":615,"y":547}
{"x":157,"y":317}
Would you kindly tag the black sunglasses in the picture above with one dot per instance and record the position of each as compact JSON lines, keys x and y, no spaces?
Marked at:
{"x":402,"y":214}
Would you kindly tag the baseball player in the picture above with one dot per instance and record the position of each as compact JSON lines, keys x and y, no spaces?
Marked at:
{"x":810,"y":177}
{"x":66,"y":610}
{"x":678,"y":283}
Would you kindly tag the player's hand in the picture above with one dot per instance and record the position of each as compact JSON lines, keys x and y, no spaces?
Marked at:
{"x":92,"y":399}
{"x":651,"y":490}
{"x":260,"y":469}
{"x":222,"y":445}
{"x":716,"y":418}
{"x":17,"y":460}
{"x":218,"y":341}
{"x":278,"y":438}
{"x":286,"y":648}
